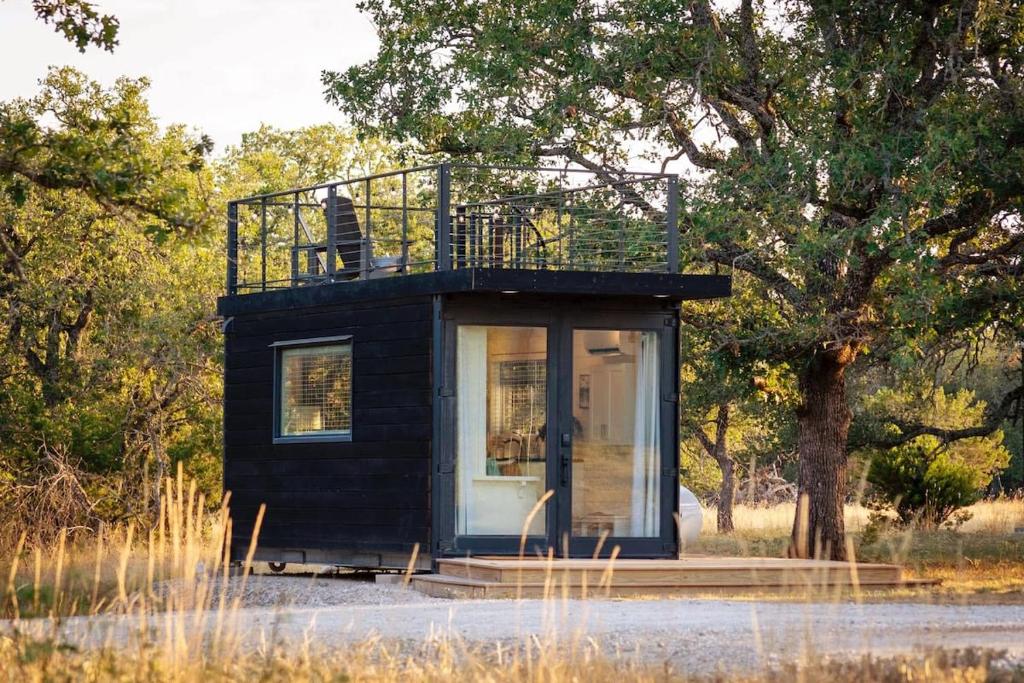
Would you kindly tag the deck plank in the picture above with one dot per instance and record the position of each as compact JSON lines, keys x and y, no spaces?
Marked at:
{"x":509,"y":577}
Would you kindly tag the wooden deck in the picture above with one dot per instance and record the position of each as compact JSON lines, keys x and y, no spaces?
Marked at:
{"x":500,"y":577}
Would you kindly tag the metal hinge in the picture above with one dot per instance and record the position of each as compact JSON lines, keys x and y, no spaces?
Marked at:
{"x":445,"y":392}
{"x":445,"y":468}
{"x":670,"y":472}
{"x":671,"y":397}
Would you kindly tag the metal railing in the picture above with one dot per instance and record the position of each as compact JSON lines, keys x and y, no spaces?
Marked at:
{"x":449,"y":216}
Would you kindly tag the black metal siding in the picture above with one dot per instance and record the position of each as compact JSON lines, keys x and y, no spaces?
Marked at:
{"x":369,"y":495}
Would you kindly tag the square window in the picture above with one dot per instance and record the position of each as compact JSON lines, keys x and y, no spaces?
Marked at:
{"x":315,"y":391}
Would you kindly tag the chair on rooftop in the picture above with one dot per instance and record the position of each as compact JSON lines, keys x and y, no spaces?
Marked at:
{"x":349,"y":241}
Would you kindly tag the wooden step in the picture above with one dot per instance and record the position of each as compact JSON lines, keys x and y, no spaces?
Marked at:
{"x":706,"y":572}
{"x":442,"y":586}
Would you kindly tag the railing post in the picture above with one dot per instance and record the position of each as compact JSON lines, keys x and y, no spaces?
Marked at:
{"x":295,"y":240}
{"x":517,"y":227}
{"x":263,"y":244}
{"x":332,"y":231}
{"x":571,"y":247}
{"x":622,"y":245}
{"x":232,"y":274}
{"x":558,"y":224}
{"x":471,"y":229}
{"x":672,"y":225}
{"x":444,"y":217}
{"x":490,"y":248}
{"x":460,"y":236}
{"x":405,"y":224}
{"x":364,"y":262}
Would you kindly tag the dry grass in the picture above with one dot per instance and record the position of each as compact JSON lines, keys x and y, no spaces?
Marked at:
{"x":452,"y":661}
{"x":119,"y":570}
{"x":186,"y":634}
{"x":982,"y":561}
{"x":998,"y":516}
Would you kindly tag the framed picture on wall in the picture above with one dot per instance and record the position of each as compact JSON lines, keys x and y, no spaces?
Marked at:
{"x":584,"y":397}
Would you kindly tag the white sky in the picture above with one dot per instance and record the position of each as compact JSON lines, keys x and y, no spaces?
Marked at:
{"x":222,"y":66}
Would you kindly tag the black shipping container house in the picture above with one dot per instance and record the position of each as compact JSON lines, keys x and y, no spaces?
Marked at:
{"x":446,"y":357}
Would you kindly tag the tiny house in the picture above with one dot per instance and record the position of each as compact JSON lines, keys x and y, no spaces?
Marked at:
{"x":455,"y":360}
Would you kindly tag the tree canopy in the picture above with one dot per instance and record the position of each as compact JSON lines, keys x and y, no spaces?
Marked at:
{"x":111,"y":261}
{"x":857,"y":167}
{"x":108,"y":267}
{"x":860,"y":164}
{"x":79,"y":22}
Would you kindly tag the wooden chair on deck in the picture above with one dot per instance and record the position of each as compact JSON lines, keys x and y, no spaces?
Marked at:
{"x":349,"y":241}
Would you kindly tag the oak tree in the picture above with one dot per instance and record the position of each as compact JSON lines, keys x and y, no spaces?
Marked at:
{"x":79,"y":22}
{"x":109,"y":268}
{"x":859,"y":163}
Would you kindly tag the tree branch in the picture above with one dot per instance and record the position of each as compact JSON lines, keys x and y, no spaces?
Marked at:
{"x":732,"y":255}
{"x":705,"y":440}
{"x":681,"y":135}
{"x":14,"y":257}
{"x":1010,"y":407}
{"x":10,"y":165}
{"x":629,"y":195}
{"x":972,"y":210}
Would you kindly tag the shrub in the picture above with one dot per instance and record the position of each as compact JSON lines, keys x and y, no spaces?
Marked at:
{"x":49,"y":498}
{"x":925,"y":482}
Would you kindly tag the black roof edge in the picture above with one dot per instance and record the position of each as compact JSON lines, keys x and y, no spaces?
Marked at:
{"x":677,"y":287}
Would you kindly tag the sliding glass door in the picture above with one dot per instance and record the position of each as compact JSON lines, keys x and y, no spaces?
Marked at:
{"x":566,"y":404}
{"x":618,"y":429}
{"x":501,"y":421}
{"x":616,"y":448}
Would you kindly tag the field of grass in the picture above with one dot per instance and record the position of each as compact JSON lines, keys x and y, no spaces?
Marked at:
{"x":981,"y":561}
{"x":445,"y":660}
{"x":168,"y":578}
{"x":998,"y":516}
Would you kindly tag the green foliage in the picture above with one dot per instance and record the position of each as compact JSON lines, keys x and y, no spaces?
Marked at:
{"x":923,"y":483}
{"x":79,"y":22}
{"x":924,"y":480}
{"x":858,"y":166}
{"x":102,"y":146}
{"x":1012,"y":478}
{"x":111,"y":260}
{"x":866,"y":197}
{"x":271,"y":160}
{"x":698,"y":470}
{"x":991,"y":371}
{"x":717,"y":370}
{"x":110,"y":268}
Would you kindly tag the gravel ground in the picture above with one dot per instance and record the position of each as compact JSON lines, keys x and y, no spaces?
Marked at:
{"x":301,"y":591}
{"x":694,"y":636}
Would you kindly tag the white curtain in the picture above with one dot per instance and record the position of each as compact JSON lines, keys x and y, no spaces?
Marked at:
{"x":646,"y":441}
{"x":470,"y":418}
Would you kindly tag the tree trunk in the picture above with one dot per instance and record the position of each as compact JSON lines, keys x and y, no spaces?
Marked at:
{"x":823,"y":419}
{"x":718,"y":449}
{"x":726,"y":494}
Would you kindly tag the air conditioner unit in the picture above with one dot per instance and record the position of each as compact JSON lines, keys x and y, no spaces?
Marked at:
{"x":603,"y":343}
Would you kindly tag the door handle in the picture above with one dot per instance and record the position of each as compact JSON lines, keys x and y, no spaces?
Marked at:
{"x":564,"y":477}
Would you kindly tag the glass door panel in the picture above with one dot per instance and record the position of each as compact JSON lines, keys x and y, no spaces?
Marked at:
{"x":616,"y":443}
{"x":501,"y":416}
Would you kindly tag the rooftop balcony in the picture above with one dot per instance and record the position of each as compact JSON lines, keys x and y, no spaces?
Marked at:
{"x":450,"y":217}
